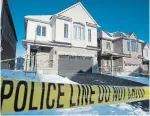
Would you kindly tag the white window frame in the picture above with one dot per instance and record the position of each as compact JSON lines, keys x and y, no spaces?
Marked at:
{"x":66,"y":28}
{"x":38,"y":27}
{"x":109,"y":45}
{"x":78,"y":31}
{"x":41,"y":30}
{"x":43,"y":34}
{"x":128,"y":45}
{"x":89,"y":35}
{"x":133,"y":47}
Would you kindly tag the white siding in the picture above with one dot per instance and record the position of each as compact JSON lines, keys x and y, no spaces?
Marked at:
{"x":31,"y":31}
{"x":78,"y":14}
{"x":145,"y":54}
{"x":54,"y":31}
{"x":60,"y":30}
{"x":139,"y":49}
{"x":104,"y":46}
{"x":93,"y":36}
{"x":104,"y":35}
{"x":125,"y":46}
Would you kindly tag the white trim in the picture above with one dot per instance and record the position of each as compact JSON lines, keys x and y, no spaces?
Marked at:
{"x":79,"y":3}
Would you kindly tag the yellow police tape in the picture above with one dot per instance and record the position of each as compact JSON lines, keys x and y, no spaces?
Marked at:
{"x":19,"y":95}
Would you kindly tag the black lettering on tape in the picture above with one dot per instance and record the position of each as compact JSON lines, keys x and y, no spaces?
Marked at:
{"x":84,"y":94}
{"x":71,"y":96}
{"x":136,"y":93}
{"x":120,"y":93}
{"x":83,"y":91}
{"x":91,"y":93}
{"x":42,"y":95}
{"x":49,"y":95}
{"x":60,"y":93}
{"x":139,"y":93}
{"x":8,"y":95}
{"x":100,"y":99}
{"x":115,"y":93}
{"x":31,"y":107}
{"x":87,"y":94}
{"x":121,"y":89}
{"x":143,"y":92}
{"x":21,"y":83}
{"x":124,"y":91}
{"x":107,"y":93}
{"x":129,"y":94}
{"x":133,"y":93}
{"x":79,"y":92}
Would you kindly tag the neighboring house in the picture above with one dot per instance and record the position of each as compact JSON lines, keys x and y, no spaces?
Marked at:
{"x":146,"y":57}
{"x":63,"y":43}
{"x":120,"y":53}
{"x":8,"y":37}
{"x":20,"y":63}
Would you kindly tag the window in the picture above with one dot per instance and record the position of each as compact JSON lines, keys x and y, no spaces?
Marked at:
{"x":89,"y":35}
{"x":43,"y":31}
{"x":65,"y":30}
{"x":38,"y":30}
{"x":78,"y":31}
{"x":108,"y":45}
{"x":133,"y":45}
{"x":19,"y":60}
{"x":128,"y":45}
{"x":75,"y":32}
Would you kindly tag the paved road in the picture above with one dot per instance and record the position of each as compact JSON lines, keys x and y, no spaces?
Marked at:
{"x":101,"y":79}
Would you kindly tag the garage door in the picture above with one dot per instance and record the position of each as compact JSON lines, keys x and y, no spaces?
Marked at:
{"x":74,"y":64}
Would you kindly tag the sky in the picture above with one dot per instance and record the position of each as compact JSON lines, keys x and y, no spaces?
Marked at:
{"x":112,"y":15}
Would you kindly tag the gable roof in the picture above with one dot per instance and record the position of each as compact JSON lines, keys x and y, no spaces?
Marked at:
{"x":119,"y":34}
{"x":105,"y":35}
{"x":144,"y":44}
{"x":47,"y":18}
{"x":133,"y":34}
{"x":112,"y":36}
{"x":79,"y":3}
{"x":108,"y":33}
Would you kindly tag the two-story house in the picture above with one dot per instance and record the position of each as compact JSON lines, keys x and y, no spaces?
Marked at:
{"x":8,"y":37}
{"x":120,"y":53}
{"x":63,"y":43}
{"x":146,"y":57}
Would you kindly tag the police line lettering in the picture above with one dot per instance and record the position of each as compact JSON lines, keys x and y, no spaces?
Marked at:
{"x":27,"y":95}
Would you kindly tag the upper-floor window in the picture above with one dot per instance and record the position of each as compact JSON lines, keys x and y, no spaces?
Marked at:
{"x":41,"y":30}
{"x":89,"y":35}
{"x":38,"y":30}
{"x":78,"y":31}
{"x":108,"y":46}
{"x":65,"y":30}
{"x":133,"y":45}
{"x":128,"y":45}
